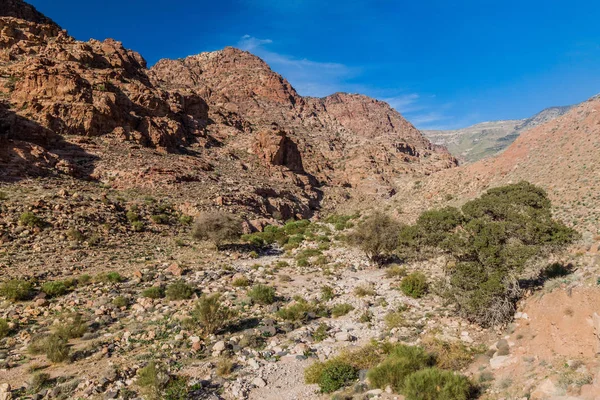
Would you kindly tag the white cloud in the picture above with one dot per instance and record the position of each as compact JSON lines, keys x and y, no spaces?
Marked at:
{"x":405,"y":103}
{"x":310,"y":78}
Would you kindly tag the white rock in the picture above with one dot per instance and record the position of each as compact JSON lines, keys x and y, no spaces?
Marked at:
{"x":259,"y":382}
{"x":219,"y":346}
{"x":5,"y":392}
{"x":343,"y":337}
{"x":502,"y":361}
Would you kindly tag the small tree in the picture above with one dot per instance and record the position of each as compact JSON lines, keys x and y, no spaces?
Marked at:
{"x":377,"y":236}
{"x":217,"y":227}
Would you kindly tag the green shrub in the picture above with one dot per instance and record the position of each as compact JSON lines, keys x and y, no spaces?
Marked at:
{"x":491,"y":240}
{"x":414,"y":285}
{"x":331,"y":375}
{"x":160,"y":219}
{"x":137,"y":226}
{"x":72,"y":327}
{"x":186,"y":220}
{"x":152,"y":379}
{"x":120,"y":302}
{"x":217,"y":227}
{"x":109,"y":277}
{"x":132,"y":216}
{"x":335,"y":375}
{"x":340,"y":222}
{"x":179,"y":291}
{"x":448,"y":355}
{"x":54,"y":288}
{"x":302,"y":262}
{"x":56,"y":348}
{"x":39,"y":381}
{"x":320,"y":333}
{"x":211,"y":314}
{"x":394,"y":319}
{"x":154,"y":292}
{"x":84,"y":280}
{"x":31,"y":220}
{"x":327,"y":293}
{"x":241,"y":281}
{"x":176,"y":389}
{"x":16,"y":290}
{"x":4,"y":328}
{"x":298,"y":312}
{"x":377,"y":236}
{"x":341,"y":309}
{"x":75,"y":235}
{"x":401,"y":362}
{"x":262,"y":294}
{"x":436,"y":384}
{"x":364,"y":290}
{"x":3,"y":196}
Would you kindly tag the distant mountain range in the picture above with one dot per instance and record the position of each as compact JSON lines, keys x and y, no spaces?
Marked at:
{"x":488,"y":138}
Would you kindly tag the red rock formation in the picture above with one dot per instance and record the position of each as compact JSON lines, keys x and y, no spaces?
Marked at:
{"x":240,"y":136}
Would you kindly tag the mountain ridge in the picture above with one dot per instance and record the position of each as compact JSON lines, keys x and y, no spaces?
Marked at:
{"x":487,"y":138}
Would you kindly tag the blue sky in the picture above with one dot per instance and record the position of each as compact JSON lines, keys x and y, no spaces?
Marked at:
{"x":442,"y":63}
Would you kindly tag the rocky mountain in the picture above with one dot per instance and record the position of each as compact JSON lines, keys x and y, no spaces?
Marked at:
{"x":235,"y":131}
{"x":482,"y":140}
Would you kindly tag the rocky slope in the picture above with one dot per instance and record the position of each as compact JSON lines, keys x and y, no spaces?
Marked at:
{"x":488,"y":138}
{"x":561,"y":156}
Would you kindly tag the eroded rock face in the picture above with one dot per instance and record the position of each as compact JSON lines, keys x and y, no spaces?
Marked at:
{"x":343,"y":139}
{"x":276,"y":148}
{"x":91,"y":89}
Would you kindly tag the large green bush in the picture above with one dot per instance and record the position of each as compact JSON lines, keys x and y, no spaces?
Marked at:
{"x":436,"y":384}
{"x":491,"y":240}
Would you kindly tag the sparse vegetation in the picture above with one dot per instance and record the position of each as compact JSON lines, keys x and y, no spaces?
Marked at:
{"x":56,"y":348}
{"x":241,"y":281}
{"x":109,"y":277}
{"x":401,"y":362}
{"x":4,"y":328}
